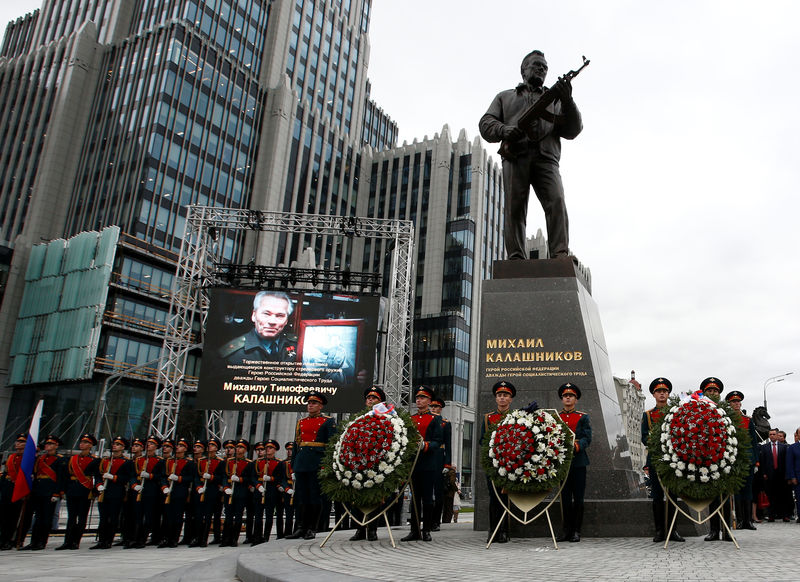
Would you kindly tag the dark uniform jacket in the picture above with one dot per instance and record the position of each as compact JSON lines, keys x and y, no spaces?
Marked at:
{"x":49,"y":476}
{"x":650,"y":418}
{"x":81,"y":470}
{"x":579,"y":423}
{"x":122,"y":470}
{"x":311,"y":435}
{"x":251,"y":347}
{"x":444,"y":454}
{"x":430,"y":428}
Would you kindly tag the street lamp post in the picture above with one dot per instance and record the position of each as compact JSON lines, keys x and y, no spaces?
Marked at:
{"x":778,"y":378}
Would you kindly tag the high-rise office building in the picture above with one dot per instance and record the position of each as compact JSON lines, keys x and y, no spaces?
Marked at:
{"x":123,"y":112}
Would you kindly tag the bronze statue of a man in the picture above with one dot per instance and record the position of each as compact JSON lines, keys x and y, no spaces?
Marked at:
{"x":530,"y":157}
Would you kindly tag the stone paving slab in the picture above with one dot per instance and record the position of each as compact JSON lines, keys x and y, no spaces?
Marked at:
{"x":767,"y":554}
{"x":457,"y":552}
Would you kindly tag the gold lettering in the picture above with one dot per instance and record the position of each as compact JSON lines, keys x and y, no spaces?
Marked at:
{"x":491,"y":343}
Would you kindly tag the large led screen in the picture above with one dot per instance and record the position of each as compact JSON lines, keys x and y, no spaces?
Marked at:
{"x":265,"y":350}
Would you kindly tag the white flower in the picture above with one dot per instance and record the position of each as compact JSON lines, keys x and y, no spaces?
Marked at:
{"x":512,"y":477}
{"x":345,"y":482}
{"x":704,"y":478}
{"x":379,"y":479}
{"x":348,"y":474}
{"x":666,"y":458}
{"x":518,"y":471}
{"x":682,"y":466}
{"x":703,"y":470}
{"x":370,"y":473}
{"x":502,"y":472}
{"x":356,"y":485}
{"x":715,"y":475}
{"x":395,"y":446}
{"x":679,"y":473}
{"x":368,"y":484}
{"x":383,"y":467}
{"x":690,"y":477}
{"x":714,"y":468}
{"x":691,"y":466}
{"x":390,"y":457}
{"x":727,"y":469}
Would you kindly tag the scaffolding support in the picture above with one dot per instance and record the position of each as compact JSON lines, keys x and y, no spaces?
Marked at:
{"x":201,"y":254}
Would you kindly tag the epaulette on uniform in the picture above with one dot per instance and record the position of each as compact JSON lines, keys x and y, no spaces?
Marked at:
{"x":232,"y":346}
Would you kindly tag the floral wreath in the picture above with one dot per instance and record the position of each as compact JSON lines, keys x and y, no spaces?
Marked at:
{"x":699,"y":448}
{"x":371,"y":457}
{"x":529,"y":451}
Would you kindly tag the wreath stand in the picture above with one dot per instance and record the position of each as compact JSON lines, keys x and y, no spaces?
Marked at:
{"x":364,"y":511}
{"x":526,"y":502}
{"x":698,"y":505}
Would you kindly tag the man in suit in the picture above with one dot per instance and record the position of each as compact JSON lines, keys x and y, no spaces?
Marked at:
{"x":772,"y":463}
{"x":793,"y":469}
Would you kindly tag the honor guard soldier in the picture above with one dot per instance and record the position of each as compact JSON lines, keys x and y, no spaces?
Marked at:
{"x":372,"y":396}
{"x":176,"y":484}
{"x":660,"y":388}
{"x":216,"y":463}
{"x":10,"y":510}
{"x":713,"y":388}
{"x":744,"y":498}
{"x":312,"y":434}
{"x":79,"y":491}
{"x":285,"y":508}
{"x":128,"y":519}
{"x":504,"y":393}
{"x":49,"y":483}
{"x":575,"y":486}
{"x":210,"y":478}
{"x":111,"y":483}
{"x":167,"y":453}
{"x":270,"y":475}
{"x":443,"y":461}
{"x":426,"y":469}
{"x":146,"y":490}
{"x":239,"y":477}
{"x":190,"y":511}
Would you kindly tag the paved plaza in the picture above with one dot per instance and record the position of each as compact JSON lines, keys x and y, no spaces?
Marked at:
{"x":457,"y":553}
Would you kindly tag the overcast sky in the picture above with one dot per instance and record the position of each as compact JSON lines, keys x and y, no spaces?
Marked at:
{"x":683,"y":187}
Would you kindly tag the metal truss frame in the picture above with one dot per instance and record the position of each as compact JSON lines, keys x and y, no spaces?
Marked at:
{"x":200,"y":256}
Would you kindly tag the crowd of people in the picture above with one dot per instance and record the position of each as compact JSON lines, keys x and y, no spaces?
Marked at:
{"x":198,"y":492}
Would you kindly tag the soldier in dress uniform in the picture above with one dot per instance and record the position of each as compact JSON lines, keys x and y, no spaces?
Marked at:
{"x":504,"y":393}
{"x":744,"y":498}
{"x":10,"y":510}
{"x":190,"y":511}
{"x":284,"y":512}
{"x":269,"y":476}
{"x":129,"y":506}
{"x":216,"y":460}
{"x":713,"y":388}
{"x":372,"y":396}
{"x":426,"y":469}
{"x":79,"y":491}
{"x":209,"y":479}
{"x":239,"y":477}
{"x":444,"y":457}
{"x":112,"y":478}
{"x":660,"y":388}
{"x":312,"y":434}
{"x":575,"y":486}
{"x":49,"y":483}
{"x":176,"y":485}
{"x":167,"y":453}
{"x":146,"y":491}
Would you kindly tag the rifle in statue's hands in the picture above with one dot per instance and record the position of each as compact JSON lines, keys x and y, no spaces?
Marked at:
{"x":509,"y":148}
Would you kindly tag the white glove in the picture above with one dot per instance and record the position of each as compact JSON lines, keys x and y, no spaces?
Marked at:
{"x":445,"y":471}
{"x":165,"y":490}
{"x":267,"y":478}
{"x":235,"y":478}
{"x":144,"y":475}
{"x":261,"y":489}
{"x":137,"y":487}
{"x":290,"y":491}
{"x":54,"y":498}
{"x":109,"y":476}
{"x":174,"y":477}
{"x":201,"y":490}
{"x":207,"y":476}
{"x":101,"y":488}
{"x":228,"y":491}
{"x":281,"y":489}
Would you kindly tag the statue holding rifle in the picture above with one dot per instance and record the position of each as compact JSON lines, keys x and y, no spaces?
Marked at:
{"x":530,"y":121}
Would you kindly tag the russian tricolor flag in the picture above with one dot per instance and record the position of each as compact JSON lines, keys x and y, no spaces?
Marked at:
{"x":24,"y":482}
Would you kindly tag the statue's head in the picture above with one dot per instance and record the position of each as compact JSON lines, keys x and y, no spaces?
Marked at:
{"x":534,"y":68}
